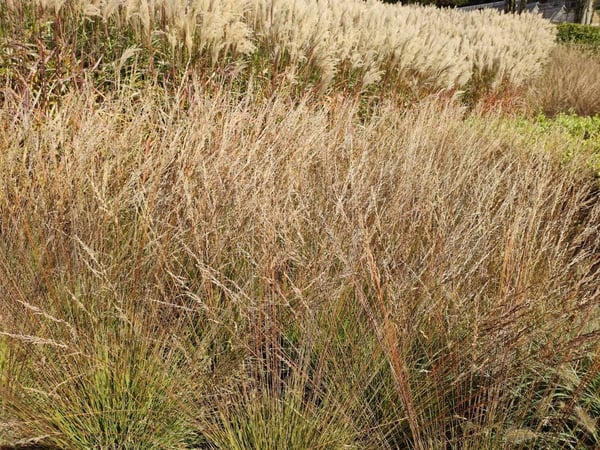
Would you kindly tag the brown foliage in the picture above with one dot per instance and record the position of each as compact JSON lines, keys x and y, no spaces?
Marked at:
{"x":570,"y":83}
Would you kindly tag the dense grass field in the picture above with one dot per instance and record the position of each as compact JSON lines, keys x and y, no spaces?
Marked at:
{"x":269,"y":225}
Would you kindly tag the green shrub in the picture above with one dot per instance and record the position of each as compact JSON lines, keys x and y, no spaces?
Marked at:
{"x":583,"y":135}
{"x":577,"y":136}
{"x":579,"y":127}
{"x":584,"y":35}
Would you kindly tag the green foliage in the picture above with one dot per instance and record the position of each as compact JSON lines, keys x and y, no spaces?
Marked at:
{"x":579,"y":127}
{"x":583,"y":135}
{"x":577,"y":136}
{"x":120,"y":397}
{"x":586,"y":36}
{"x":4,"y":359}
{"x":267,"y":422}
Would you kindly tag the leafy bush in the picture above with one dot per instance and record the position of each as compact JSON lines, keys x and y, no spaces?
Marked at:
{"x":584,"y":128}
{"x":575,"y":137}
{"x":585,"y":35}
{"x":583,"y":132}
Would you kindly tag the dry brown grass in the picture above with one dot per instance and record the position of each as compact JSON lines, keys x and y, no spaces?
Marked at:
{"x":570,"y":83}
{"x":399,"y":279}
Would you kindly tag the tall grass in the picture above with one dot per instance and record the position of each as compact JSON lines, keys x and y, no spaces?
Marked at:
{"x":353,"y":45}
{"x":221,"y":229}
{"x":570,"y":83}
{"x":289,"y":273}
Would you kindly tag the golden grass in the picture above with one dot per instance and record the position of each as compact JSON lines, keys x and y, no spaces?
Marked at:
{"x":324,"y":42}
{"x":223,"y":226}
{"x":403,"y":279}
{"x":570,"y":83}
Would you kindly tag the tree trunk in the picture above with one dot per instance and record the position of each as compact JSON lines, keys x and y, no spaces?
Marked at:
{"x":587,"y":12}
{"x":514,"y":6}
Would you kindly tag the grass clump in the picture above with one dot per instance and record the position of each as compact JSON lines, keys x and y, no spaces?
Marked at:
{"x":216,"y":266}
{"x":570,"y":84}
{"x":119,"y":398}
{"x":279,"y":422}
